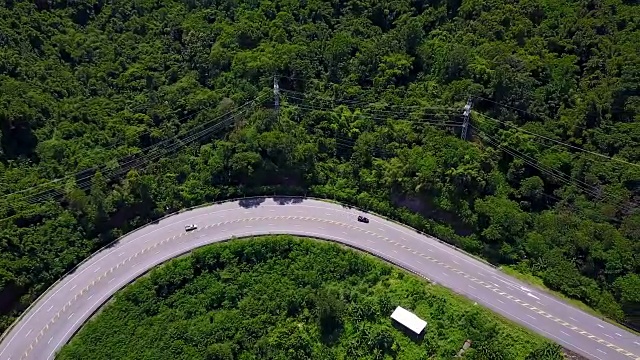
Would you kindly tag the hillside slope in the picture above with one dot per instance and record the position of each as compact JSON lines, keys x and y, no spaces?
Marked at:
{"x":372,"y":93}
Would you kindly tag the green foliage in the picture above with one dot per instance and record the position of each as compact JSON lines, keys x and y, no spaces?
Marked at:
{"x":86,"y":87}
{"x":329,"y":309}
{"x":281,"y":297}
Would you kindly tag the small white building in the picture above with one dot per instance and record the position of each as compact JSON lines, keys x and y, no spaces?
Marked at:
{"x":409,"y":321}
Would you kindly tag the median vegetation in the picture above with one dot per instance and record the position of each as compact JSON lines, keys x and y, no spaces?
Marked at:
{"x":93,"y":94}
{"x":281,"y":297}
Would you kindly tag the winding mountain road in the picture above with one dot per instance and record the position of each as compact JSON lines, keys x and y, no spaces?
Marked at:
{"x":60,"y":312}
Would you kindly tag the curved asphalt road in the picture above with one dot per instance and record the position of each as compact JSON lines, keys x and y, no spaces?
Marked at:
{"x":51,"y":322}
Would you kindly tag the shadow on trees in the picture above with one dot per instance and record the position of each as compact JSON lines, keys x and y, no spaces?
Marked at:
{"x":250,"y":203}
{"x":329,"y":310}
{"x":18,"y":141}
{"x":331,"y":337}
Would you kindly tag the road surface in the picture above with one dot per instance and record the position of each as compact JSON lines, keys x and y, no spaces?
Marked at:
{"x":57,"y":315}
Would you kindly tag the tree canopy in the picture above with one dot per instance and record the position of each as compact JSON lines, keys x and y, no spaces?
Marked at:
{"x":115,"y":113}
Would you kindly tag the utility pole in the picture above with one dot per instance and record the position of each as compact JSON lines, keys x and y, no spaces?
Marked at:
{"x":466,"y":114}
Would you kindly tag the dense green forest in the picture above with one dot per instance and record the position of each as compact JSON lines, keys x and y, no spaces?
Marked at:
{"x":285,"y":298}
{"x":116,"y":112}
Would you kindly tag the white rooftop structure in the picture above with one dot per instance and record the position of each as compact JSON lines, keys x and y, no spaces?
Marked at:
{"x":409,"y":320}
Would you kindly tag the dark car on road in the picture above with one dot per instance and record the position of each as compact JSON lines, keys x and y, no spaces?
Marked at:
{"x":363,"y":219}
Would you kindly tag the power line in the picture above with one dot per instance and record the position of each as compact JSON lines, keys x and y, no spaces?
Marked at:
{"x":356,"y":102}
{"x":148,"y":162}
{"x":553,"y":172}
{"x":384,"y":116}
{"x":161,"y":151}
{"x":334,"y":85}
{"x":545,"y":194}
{"x":139,"y":163}
{"x":589,"y":189}
{"x":148,"y":159}
{"x":560,"y":142}
{"x":506,"y":106}
{"x":149,"y":152}
{"x":381,"y":112}
{"x":95,"y":168}
{"x":521,"y":110}
{"x":425,"y":121}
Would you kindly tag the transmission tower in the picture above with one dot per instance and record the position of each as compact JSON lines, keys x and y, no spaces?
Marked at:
{"x":466,"y":114}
